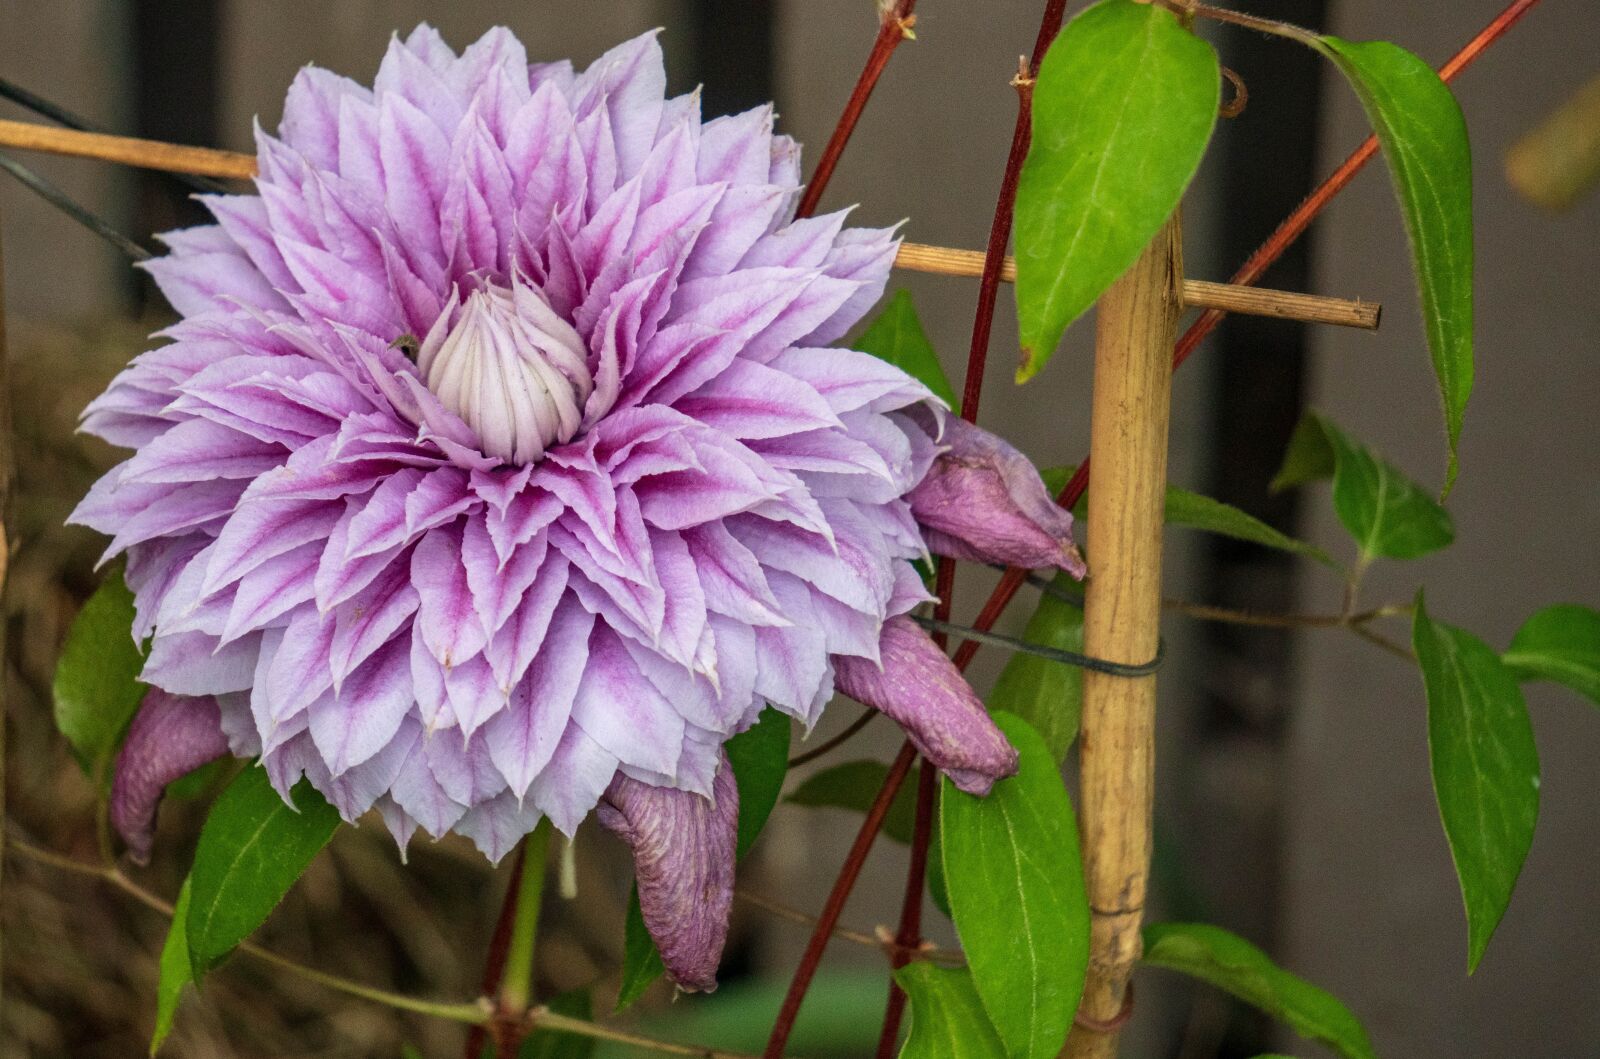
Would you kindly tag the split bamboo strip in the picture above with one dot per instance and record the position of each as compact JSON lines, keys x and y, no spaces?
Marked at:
{"x":917,"y":257}
{"x":1198,"y":293}
{"x":1122,"y":615}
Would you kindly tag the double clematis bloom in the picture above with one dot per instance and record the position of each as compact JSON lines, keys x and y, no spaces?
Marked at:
{"x":500,"y":468}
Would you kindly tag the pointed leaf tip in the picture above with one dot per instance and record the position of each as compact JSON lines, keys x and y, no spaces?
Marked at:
{"x":1122,"y":111}
{"x":1485,"y":768}
{"x":1424,"y":139}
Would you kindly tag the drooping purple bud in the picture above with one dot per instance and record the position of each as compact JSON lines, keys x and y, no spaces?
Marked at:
{"x":683,"y":853}
{"x":983,"y":500}
{"x":921,"y":689}
{"x":511,"y":368}
{"x":170,"y":735}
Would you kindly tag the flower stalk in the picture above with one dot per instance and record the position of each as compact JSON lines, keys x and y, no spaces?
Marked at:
{"x":516,"y":988}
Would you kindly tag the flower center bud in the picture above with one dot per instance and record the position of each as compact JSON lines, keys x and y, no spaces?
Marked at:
{"x":511,"y":368}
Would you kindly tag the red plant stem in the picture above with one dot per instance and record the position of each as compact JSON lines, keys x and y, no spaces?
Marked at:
{"x":848,"y":873}
{"x":1280,"y":240}
{"x":910,"y":934}
{"x":1000,"y":227}
{"x":894,"y":28}
{"x":1012,"y":580}
{"x":494,"y":964}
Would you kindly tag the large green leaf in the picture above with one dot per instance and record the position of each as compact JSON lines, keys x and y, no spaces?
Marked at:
{"x":1194,"y":511}
{"x":947,"y":1020}
{"x":97,"y":685}
{"x":176,"y":970}
{"x":1122,"y":111}
{"x":1015,"y":878}
{"x":1390,"y":516}
{"x":1560,"y":643}
{"x":1485,"y":768}
{"x":854,"y":785}
{"x":897,"y":337}
{"x":1424,"y":138}
{"x":252,"y":849}
{"x":1228,"y":962}
{"x":1046,"y":693}
{"x":760,"y":759}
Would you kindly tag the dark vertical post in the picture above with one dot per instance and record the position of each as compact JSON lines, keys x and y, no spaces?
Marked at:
{"x":176,"y":81}
{"x":1257,"y":384}
{"x":734,"y":52}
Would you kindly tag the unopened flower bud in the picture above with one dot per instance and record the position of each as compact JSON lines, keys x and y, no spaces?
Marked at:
{"x":983,"y":500}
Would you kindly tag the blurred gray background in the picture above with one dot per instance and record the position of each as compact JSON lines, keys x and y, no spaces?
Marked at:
{"x":1295,"y":802}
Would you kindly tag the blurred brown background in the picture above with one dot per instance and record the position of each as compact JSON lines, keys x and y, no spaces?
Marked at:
{"x":1295,"y":802}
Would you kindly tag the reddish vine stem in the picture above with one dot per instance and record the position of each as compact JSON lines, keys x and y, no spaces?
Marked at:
{"x":494,"y":964}
{"x":829,"y":917}
{"x":895,"y":27}
{"x":1280,"y":240}
{"x":971,"y":393}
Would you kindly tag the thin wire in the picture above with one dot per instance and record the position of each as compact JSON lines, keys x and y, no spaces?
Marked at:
{"x":1071,"y":658}
{"x":64,"y":202}
{"x":62,"y":116}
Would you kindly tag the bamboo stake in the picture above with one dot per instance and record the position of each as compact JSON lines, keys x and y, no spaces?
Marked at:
{"x":1137,"y":319}
{"x":1203,"y":294}
{"x":917,"y":257}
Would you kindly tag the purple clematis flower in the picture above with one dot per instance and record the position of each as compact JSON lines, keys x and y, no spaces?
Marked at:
{"x":499,"y":468}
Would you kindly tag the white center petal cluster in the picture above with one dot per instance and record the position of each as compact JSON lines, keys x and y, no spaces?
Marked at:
{"x":512,"y":369}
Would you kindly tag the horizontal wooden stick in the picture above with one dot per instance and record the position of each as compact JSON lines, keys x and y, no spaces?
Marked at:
{"x":146,"y":154}
{"x":1197,"y":293}
{"x":917,"y":257}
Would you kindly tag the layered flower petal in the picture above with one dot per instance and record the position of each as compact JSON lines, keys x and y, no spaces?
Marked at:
{"x":683,"y":855}
{"x":926,"y":695}
{"x":170,"y":736}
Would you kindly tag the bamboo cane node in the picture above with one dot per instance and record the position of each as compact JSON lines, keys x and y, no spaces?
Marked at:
{"x":1106,"y":1027}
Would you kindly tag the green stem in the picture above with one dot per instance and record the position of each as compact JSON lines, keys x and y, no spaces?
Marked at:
{"x":516,"y":988}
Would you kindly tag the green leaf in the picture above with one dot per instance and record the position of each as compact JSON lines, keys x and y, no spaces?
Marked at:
{"x":1194,"y":511}
{"x":1485,"y":768}
{"x":1389,"y":515}
{"x":252,"y":849}
{"x":947,"y":1021}
{"x":1309,"y":457}
{"x":760,"y":759}
{"x":897,"y":337}
{"x":1046,"y":693}
{"x":1559,"y":643}
{"x":854,"y":785}
{"x":176,"y":970}
{"x":641,"y":962}
{"x":1232,"y":964}
{"x":97,"y":685}
{"x":1122,"y":111}
{"x":1191,"y":510}
{"x":1011,"y":862}
{"x":550,"y":1044}
{"x":1424,"y":138}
